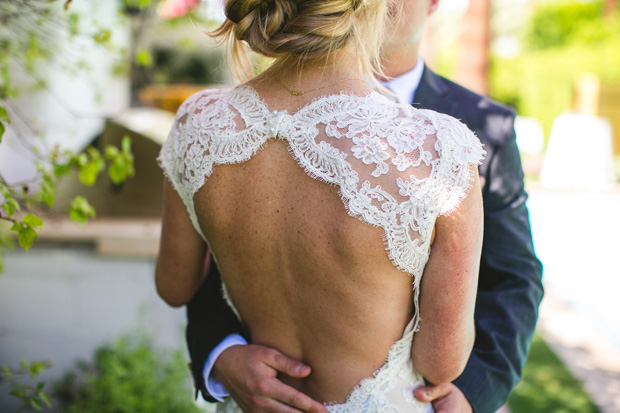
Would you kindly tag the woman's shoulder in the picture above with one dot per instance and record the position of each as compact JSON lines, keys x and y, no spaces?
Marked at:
{"x":201,"y":98}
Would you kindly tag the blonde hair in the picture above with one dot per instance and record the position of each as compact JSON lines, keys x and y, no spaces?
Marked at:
{"x":296,"y":32}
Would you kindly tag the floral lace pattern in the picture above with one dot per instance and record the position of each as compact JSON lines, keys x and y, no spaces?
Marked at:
{"x":344,"y":140}
{"x":396,"y":167}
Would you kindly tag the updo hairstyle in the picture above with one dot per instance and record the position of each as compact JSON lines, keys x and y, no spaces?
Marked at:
{"x":295,"y":32}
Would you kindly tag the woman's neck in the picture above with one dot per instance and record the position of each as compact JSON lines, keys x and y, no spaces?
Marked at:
{"x":341,"y":66}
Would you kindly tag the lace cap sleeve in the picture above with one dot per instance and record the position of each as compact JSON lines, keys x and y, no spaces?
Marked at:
{"x":170,"y":158}
{"x":459,"y":149}
{"x":183,"y":140}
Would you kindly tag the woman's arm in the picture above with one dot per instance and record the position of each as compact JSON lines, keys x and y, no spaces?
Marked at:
{"x":448,"y":291}
{"x":179,"y":270}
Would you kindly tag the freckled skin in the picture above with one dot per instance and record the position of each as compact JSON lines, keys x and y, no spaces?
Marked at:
{"x":312,"y":281}
{"x":336,"y":284}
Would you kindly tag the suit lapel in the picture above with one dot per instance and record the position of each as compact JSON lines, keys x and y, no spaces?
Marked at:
{"x":433,"y":94}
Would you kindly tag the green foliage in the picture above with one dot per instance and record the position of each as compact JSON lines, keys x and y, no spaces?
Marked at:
{"x":20,"y":380}
{"x":547,"y":386}
{"x":4,"y":118}
{"x":88,"y":165}
{"x":144,"y":58}
{"x":73,"y":22}
{"x":81,"y":210}
{"x":138,"y":4}
{"x":33,"y":31}
{"x":25,"y":229}
{"x":10,"y":206}
{"x":47,"y":193}
{"x":127,"y":377}
{"x":121,"y":162}
{"x":557,"y":24}
{"x":540,"y":81}
{"x":173,"y":65}
{"x":103,"y":36}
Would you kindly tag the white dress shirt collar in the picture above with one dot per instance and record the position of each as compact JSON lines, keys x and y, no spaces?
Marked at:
{"x":405,"y":85}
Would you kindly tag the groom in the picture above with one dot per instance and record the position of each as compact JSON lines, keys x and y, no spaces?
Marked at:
{"x":509,"y":288}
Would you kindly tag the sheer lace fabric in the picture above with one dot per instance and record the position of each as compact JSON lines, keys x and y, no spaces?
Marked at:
{"x":396,"y":167}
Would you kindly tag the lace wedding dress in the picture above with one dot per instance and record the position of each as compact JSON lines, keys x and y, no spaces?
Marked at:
{"x":396,"y":167}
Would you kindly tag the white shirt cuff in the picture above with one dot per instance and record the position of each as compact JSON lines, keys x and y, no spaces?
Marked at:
{"x":214,"y":387}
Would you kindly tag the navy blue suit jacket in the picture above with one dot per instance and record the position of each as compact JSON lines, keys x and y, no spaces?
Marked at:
{"x":509,"y":286}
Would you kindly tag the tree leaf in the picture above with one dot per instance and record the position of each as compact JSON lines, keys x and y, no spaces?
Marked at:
{"x":73,"y":19}
{"x":144,"y":58}
{"x":61,"y":169}
{"x":37,"y":367}
{"x":26,"y":236}
{"x":45,"y":399}
{"x":81,"y":210}
{"x":4,"y":116}
{"x":10,"y":205}
{"x":102,"y":36}
{"x":81,"y":159}
{"x":121,"y":166}
{"x":2,"y":129}
{"x":48,"y":189}
{"x":33,"y":220}
{"x":126,"y":144}
{"x":88,"y":173}
{"x":18,"y":393}
{"x":4,"y":191}
{"x":111,"y":152}
{"x":35,"y":404}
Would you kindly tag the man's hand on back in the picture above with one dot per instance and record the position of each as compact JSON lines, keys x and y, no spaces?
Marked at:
{"x":249,"y":373}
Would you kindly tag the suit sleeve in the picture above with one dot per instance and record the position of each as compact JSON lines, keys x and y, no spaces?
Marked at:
{"x":509,"y":287}
{"x":210,"y":320}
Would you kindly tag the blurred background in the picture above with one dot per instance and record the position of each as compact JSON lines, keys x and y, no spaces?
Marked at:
{"x":79,"y":312}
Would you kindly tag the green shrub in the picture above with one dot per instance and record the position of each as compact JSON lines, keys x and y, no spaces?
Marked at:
{"x":564,"y":41}
{"x":127,"y":378}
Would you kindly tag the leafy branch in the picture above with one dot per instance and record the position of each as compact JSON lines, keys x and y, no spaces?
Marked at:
{"x":32,"y":33}
{"x":88,"y":165}
{"x":32,"y":395}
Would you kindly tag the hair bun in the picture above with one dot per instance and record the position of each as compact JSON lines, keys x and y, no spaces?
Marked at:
{"x":238,"y":10}
{"x":257,"y":21}
{"x":294,"y":31}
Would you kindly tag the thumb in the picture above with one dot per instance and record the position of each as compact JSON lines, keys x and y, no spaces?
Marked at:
{"x":429,"y":393}
{"x":289,"y":366}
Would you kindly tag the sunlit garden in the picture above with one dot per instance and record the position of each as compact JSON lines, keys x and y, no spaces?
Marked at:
{"x":88,"y":92}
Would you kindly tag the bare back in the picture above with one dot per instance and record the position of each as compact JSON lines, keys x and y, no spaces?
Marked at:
{"x":320,"y":220}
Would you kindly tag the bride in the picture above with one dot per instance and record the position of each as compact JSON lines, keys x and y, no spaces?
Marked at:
{"x":347,"y":227}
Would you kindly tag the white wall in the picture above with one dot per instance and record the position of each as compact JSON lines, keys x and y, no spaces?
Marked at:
{"x":62,"y":303}
{"x":72,"y":109}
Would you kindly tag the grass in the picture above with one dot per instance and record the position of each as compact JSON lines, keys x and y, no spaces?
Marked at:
{"x":547,"y":386}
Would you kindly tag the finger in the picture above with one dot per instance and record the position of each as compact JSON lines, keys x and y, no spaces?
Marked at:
{"x":288,"y":366}
{"x":429,"y":393}
{"x":275,"y":406}
{"x":295,"y":398}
